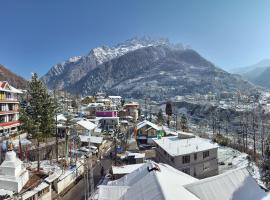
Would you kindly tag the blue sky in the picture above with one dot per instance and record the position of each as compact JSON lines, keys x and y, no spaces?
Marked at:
{"x":36,"y":34}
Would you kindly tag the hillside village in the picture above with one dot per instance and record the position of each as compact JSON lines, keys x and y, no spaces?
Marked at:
{"x":111,"y":147}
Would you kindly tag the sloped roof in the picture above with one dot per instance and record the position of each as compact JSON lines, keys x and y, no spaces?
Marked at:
{"x":126,"y":169}
{"x":93,"y":139}
{"x":4,"y":86}
{"x":175,"y":146}
{"x":111,"y":192}
{"x":145,"y":122}
{"x":169,"y":183}
{"x":61,"y":117}
{"x":164,"y":184}
{"x":233,"y":185}
{"x":87,"y":124}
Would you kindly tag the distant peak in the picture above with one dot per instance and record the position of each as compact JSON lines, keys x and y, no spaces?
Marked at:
{"x":145,"y":41}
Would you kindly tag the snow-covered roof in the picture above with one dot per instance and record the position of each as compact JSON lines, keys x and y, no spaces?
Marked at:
{"x":15,"y":90}
{"x":61,"y":117}
{"x":4,"y":192}
{"x":167,"y":183}
{"x":235,"y":185}
{"x":32,"y":192}
{"x":6,"y":87}
{"x":115,"y":97}
{"x":125,"y":169}
{"x":175,"y":146}
{"x":56,"y":174}
{"x":87,"y":124}
{"x":93,"y":139}
{"x":145,"y":122}
{"x":136,"y":155}
{"x":106,"y":192}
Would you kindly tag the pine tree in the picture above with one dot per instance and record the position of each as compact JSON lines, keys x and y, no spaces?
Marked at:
{"x":38,"y":116}
{"x":183,"y":123}
{"x":168,"y":111}
{"x":160,"y":119}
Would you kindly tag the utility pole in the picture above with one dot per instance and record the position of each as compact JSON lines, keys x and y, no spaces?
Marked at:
{"x":56,"y":131}
{"x":176,"y":121}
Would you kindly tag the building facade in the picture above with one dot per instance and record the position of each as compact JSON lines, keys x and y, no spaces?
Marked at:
{"x":9,"y":109}
{"x":194,"y":156}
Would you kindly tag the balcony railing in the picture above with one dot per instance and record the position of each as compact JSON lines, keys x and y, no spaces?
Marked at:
{"x":10,"y":123}
{"x":4,"y":112}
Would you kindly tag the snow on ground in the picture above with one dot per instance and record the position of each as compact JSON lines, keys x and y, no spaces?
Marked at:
{"x":237,"y":160}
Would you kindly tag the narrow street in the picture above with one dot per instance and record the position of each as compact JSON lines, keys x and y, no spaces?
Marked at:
{"x":78,"y":191}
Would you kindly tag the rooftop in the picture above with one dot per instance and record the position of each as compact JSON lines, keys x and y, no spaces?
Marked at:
{"x":145,"y":122}
{"x":87,"y":124}
{"x":125,"y":169}
{"x":165,"y":182}
{"x":176,"y":147}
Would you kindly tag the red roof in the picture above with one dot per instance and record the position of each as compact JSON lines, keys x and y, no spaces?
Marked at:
{"x":3,"y":84}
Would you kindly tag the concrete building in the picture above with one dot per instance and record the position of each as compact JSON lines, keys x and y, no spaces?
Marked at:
{"x":107,"y":123}
{"x":194,"y":156}
{"x":9,"y":109}
{"x":132,"y":109}
{"x":163,"y":182}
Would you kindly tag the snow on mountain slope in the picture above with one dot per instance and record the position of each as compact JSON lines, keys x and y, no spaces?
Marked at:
{"x":66,"y":73}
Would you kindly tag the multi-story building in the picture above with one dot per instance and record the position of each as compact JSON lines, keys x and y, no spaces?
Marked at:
{"x":132,"y":109}
{"x":192,"y":155}
{"x":9,"y":109}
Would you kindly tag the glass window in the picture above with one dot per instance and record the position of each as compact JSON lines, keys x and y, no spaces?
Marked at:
{"x":195,"y":156}
{"x":186,"y":159}
{"x":205,"y":154}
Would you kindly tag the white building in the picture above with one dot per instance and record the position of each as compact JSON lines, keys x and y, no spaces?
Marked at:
{"x":163,"y":182}
{"x":13,"y":175}
{"x":194,"y":156}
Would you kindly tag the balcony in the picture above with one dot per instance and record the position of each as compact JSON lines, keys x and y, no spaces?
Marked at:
{"x":9,"y":124}
{"x":9,"y":100}
{"x":7,"y":112}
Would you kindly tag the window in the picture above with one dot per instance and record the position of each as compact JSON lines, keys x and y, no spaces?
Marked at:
{"x":195,"y":156}
{"x":206,"y":166}
{"x":172,"y":159}
{"x":186,"y":159}
{"x":187,"y":171}
{"x":205,"y":154}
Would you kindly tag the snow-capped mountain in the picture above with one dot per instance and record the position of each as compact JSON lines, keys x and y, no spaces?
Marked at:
{"x":67,"y":73}
{"x":159,"y":72}
{"x":143,"y":67}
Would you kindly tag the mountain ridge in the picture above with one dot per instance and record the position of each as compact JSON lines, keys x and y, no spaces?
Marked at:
{"x":12,"y":78}
{"x":144,"y":67}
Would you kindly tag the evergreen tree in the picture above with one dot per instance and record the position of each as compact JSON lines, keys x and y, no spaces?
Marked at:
{"x":38,"y":117}
{"x":183,"y":123}
{"x":168,"y":111}
{"x":160,"y":119}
